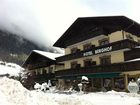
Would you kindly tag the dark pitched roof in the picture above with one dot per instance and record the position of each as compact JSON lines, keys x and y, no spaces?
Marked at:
{"x":38,"y":59}
{"x":88,"y":27}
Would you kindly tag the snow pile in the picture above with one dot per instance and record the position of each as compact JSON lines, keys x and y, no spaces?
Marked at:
{"x":100,"y":98}
{"x":13,"y":93}
{"x":133,"y":87}
{"x":10,"y":68}
{"x":84,"y":78}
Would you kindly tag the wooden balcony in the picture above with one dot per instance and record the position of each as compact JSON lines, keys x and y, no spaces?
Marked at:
{"x":132,"y":54}
{"x":43,"y":77}
{"x":39,"y":65}
{"x":117,"y":67}
{"x":115,"y":46}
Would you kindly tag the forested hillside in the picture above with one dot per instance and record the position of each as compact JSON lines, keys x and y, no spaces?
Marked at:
{"x":14,"y":48}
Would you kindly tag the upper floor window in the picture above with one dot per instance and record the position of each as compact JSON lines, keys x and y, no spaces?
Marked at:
{"x":87,"y":62}
{"x":75,"y":64}
{"x":32,"y":73}
{"x":128,"y":36}
{"x":44,"y":70}
{"x":104,"y":41}
{"x":105,"y":60}
{"x":139,"y":40}
{"x":50,"y":69}
{"x":74,"y":50}
{"x":87,"y":46}
{"x":36,"y":72}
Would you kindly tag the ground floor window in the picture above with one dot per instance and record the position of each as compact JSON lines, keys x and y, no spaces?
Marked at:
{"x":107,"y":83}
{"x":119,"y":83}
{"x":97,"y":84}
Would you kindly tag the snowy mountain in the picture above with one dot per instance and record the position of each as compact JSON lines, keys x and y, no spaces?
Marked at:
{"x":14,"y":48}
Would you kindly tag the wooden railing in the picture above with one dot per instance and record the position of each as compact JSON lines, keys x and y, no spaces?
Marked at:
{"x":118,"y":67}
{"x":41,"y":77}
{"x":115,"y":46}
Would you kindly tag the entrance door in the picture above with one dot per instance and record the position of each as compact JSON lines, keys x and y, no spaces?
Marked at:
{"x":97,"y":84}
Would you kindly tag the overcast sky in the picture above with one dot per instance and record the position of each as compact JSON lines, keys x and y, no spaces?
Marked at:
{"x":44,"y":21}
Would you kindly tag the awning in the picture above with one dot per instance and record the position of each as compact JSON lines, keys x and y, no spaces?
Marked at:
{"x":67,"y":77}
{"x":95,"y":75}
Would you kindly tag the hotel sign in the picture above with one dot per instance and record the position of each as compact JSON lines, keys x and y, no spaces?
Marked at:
{"x":88,"y":53}
{"x":98,"y":51}
{"x":102,"y":50}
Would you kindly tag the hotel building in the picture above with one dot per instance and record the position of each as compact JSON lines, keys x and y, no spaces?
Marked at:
{"x":105,"y":49}
{"x":41,"y":66}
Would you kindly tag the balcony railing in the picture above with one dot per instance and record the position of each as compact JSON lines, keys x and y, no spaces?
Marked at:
{"x":132,"y":54}
{"x":118,"y":67}
{"x":39,"y":65}
{"x":114,"y":46}
{"x":41,"y":77}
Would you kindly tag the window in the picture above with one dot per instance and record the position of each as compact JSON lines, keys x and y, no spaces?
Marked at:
{"x":119,"y":83}
{"x":36,"y":72}
{"x":87,"y":46}
{"x":74,"y":64}
{"x":104,"y":41}
{"x":105,"y":60}
{"x":128,"y":36}
{"x":44,"y":71}
{"x":33,"y":73}
{"x":74,"y":50}
{"x":50,"y":69}
{"x":139,"y":40}
{"x":107,"y":83}
{"x":87,"y":62}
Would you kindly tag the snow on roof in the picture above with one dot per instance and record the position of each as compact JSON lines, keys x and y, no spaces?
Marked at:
{"x":48,"y":54}
{"x":84,"y":78}
{"x":137,"y":59}
{"x":137,"y":47}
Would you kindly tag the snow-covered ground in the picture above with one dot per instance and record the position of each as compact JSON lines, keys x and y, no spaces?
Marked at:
{"x":10,"y":68}
{"x":13,"y":93}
